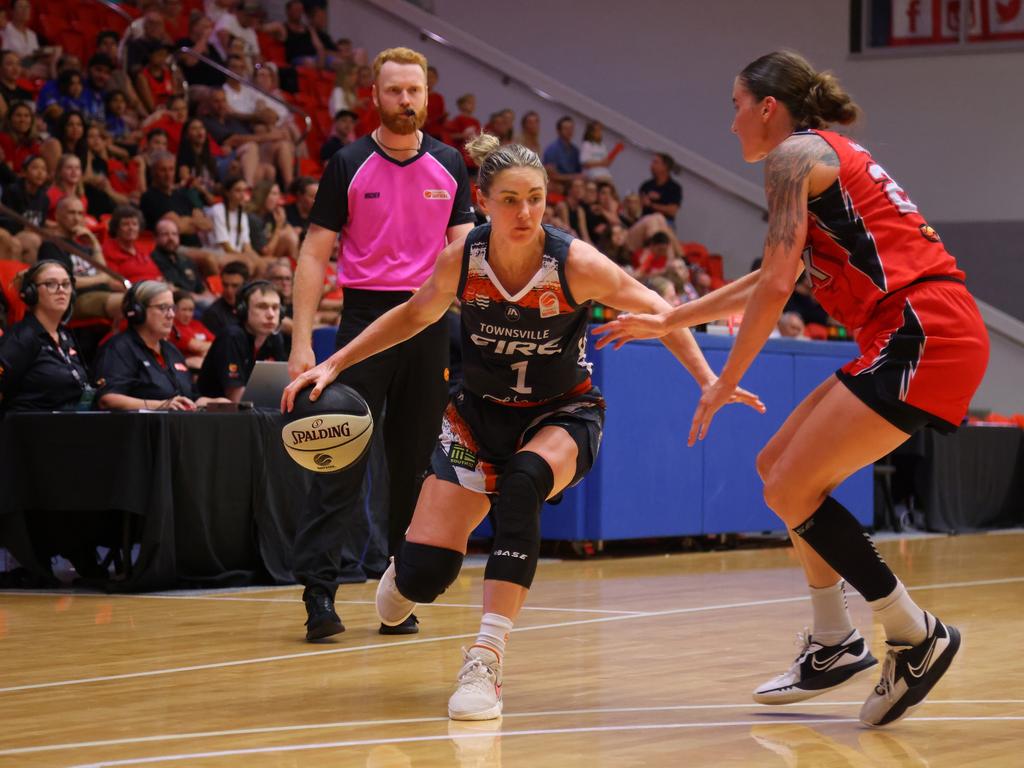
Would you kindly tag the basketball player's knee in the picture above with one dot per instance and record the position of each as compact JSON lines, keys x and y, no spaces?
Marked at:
{"x":526,"y":482}
{"x":423,"y":572}
{"x":788,"y":496}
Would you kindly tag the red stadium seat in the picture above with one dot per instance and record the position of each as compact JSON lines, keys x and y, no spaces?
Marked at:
{"x":272,"y":48}
{"x":215,"y":285}
{"x":309,"y":166}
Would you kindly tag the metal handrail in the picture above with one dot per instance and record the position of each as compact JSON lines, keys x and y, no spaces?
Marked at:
{"x":117,"y":9}
{"x":69,"y":245}
{"x":186,"y":51}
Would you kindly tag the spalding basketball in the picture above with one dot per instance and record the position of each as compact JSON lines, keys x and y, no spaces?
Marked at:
{"x":331,"y":433}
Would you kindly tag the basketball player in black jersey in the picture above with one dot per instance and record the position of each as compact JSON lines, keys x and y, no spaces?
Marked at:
{"x":526,"y":423}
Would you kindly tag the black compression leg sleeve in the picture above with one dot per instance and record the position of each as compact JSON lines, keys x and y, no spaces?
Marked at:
{"x":834,"y":533}
{"x":524,"y":485}
{"x":423,"y":572}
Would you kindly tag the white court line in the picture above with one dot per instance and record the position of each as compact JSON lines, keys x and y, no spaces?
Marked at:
{"x":532,"y":732}
{"x":421,"y":641}
{"x":419,"y":720}
{"x":293,"y":601}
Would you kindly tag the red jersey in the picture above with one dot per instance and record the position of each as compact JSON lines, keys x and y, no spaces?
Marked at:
{"x":865,"y":238}
{"x":182,"y":335}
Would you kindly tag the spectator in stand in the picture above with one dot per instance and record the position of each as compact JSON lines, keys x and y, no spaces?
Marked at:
{"x":69,"y":97}
{"x":530,"y":136}
{"x":236,"y":137}
{"x":678,"y":271}
{"x":702,"y":282}
{"x":790,"y":326}
{"x":282,"y":277}
{"x":653,"y":257}
{"x":108,"y":43}
{"x":19,"y":38}
{"x":120,"y":122}
{"x":156,"y":82}
{"x":142,"y":36}
{"x":215,"y":9}
{"x":255,"y":336}
{"x":345,"y":94}
{"x":304,"y":189}
{"x":97,"y":294}
{"x":40,"y":368}
{"x":67,"y":139}
{"x":604,"y":214}
{"x":174,"y":263}
{"x":266,"y":81}
{"x":19,"y":140}
{"x":27,"y":196}
{"x":437,"y":113}
{"x":664,"y":287}
{"x":10,"y":91}
{"x":342,"y":133}
{"x":221,"y":313}
{"x":632,"y":209}
{"x":616,"y":248}
{"x":348,"y":54}
{"x":804,"y":304}
{"x":242,"y":25}
{"x":175,"y":19}
{"x":200,"y":76}
{"x":271,"y":234}
{"x":230,"y":232}
{"x":67,"y":181}
{"x":502,"y":124}
{"x":196,"y":165}
{"x":182,"y":205}
{"x":96,"y":171}
{"x":661,"y":193}
{"x":96,"y":83}
{"x":595,"y":157}
{"x":573,"y":211}
{"x":562,"y":157}
{"x":122,"y":251}
{"x":140,"y":369}
{"x":189,"y":335}
{"x":171,"y":116}
{"x":155,"y":143}
{"x":464,"y":126}
{"x":304,"y":44}
{"x":368,"y":120}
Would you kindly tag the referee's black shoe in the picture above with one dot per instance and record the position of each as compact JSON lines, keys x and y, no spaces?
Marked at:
{"x":407,"y":627}
{"x":321,"y":619}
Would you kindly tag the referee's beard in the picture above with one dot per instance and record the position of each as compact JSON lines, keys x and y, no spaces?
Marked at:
{"x":397,"y":121}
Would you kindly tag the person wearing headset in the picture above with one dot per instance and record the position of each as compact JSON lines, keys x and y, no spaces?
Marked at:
{"x":256,"y":336}
{"x":140,"y":369}
{"x":40,"y":368}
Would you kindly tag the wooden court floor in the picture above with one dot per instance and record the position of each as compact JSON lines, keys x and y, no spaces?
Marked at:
{"x":616,"y":662}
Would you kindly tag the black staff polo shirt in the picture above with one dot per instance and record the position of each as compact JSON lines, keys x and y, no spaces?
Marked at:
{"x":231,"y":358}
{"x":126,"y":366}
{"x":38,"y":374}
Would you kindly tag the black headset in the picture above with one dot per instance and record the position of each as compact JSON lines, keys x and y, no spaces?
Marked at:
{"x":132,"y":309}
{"x":242,"y":302}
{"x":30,"y":291}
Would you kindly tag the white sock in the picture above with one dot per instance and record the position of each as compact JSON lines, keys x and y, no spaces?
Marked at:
{"x":902,"y":618}
{"x":831,"y":618}
{"x":494,"y":629}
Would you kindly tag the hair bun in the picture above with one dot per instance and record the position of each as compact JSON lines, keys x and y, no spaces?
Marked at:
{"x":479,"y":147}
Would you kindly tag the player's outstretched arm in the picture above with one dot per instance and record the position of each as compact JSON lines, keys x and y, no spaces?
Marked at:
{"x":426,"y":306}
{"x":594,"y":276}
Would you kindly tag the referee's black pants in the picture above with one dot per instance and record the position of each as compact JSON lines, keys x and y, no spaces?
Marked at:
{"x":410,"y":379}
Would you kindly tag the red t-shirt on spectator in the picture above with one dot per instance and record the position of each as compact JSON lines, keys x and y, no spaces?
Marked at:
{"x":436,"y":115}
{"x":134,"y":266}
{"x":182,"y":335}
{"x":173,"y":128}
{"x":15,"y":152}
{"x":161,"y":89}
{"x":123,"y":178}
{"x":647,"y":261}
{"x":55,"y":194}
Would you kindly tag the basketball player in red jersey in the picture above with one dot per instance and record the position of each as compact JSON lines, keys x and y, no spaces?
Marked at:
{"x":878,"y":268}
{"x":525,"y":423}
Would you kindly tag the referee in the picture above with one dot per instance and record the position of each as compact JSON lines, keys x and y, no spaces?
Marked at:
{"x":397,"y":197}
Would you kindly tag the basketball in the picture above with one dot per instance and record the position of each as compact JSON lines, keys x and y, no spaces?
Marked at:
{"x":331,"y":433}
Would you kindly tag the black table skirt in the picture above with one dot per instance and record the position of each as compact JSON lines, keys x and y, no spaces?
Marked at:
{"x":212,"y":498}
{"x":970,"y":480}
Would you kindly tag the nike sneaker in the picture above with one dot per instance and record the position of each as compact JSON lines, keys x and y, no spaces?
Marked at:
{"x":817,"y":669}
{"x":478,"y":695}
{"x":909,"y":672}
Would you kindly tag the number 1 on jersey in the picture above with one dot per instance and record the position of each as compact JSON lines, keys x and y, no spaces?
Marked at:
{"x":520,"y":369}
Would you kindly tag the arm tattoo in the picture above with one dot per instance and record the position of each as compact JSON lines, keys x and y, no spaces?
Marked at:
{"x":784,"y":172}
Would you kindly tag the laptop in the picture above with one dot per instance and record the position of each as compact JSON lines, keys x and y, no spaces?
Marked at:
{"x":265,"y":385}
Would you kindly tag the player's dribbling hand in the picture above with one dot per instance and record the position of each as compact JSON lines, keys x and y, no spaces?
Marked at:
{"x":300,"y":360}
{"x":628,"y":327}
{"x":319,"y":377}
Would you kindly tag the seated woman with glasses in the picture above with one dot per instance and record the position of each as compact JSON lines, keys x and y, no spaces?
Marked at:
{"x":40,"y":368}
{"x":140,"y":369}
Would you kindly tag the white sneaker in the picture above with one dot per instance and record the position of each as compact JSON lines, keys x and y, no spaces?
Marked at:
{"x":818,"y":669}
{"x":392,"y":608}
{"x":478,"y":695}
{"x":910,"y":672}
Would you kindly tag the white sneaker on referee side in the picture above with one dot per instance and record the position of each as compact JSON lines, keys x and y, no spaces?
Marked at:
{"x":392,"y":608}
{"x":478,"y":694}
{"x":818,"y":669}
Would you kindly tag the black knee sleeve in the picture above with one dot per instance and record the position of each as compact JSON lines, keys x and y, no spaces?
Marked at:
{"x":834,"y":533}
{"x":524,"y":485}
{"x":423,"y":572}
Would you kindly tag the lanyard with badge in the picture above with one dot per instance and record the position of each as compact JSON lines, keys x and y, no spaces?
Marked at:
{"x":85,"y":402}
